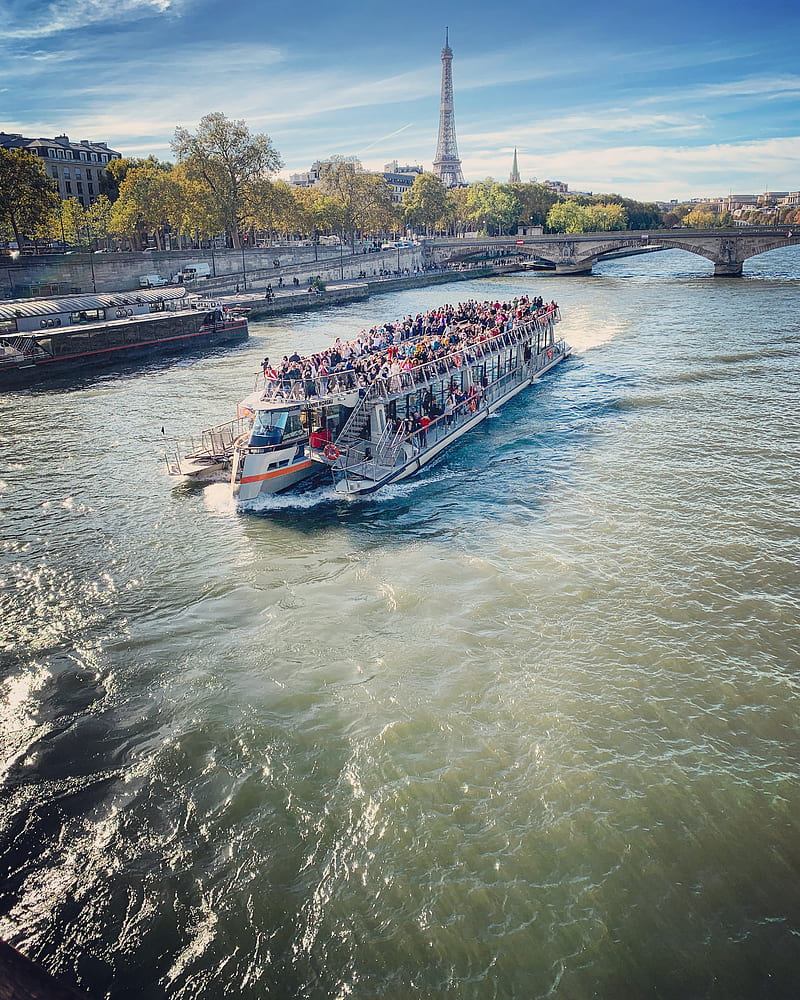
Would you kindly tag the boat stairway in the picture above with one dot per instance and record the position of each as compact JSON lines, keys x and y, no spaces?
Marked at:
{"x":352,"y":434}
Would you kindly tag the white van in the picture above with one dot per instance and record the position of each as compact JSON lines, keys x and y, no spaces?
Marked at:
{"x":193,"y":271}
{"x":152,"y":281}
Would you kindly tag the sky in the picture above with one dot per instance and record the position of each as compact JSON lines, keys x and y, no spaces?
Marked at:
{"x":651,"y":101}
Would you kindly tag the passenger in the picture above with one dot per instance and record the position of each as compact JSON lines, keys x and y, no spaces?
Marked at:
{"x":424,"y":424}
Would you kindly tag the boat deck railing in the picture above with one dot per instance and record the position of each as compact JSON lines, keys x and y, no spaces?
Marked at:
{"x":282,"y":389}
{"x":23,"y":346}
{"x":214,"y":442}
{"x":374,"y":462}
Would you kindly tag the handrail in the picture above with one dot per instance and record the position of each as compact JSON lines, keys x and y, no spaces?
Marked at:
{"x":440,"y":427}
{"x":282,"y":389}
{"x":422,"y":375}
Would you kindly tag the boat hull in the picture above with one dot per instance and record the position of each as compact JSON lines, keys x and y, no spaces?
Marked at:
{"x":417,"y":459}
{"x":258,"y":474}
{"x":143,"y":340}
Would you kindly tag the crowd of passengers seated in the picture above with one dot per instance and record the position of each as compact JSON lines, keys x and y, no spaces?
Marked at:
{"x":388,"y":351}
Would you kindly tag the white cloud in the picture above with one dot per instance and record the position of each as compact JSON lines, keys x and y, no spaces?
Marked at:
{"x":658,"y":172}
{"x":33,"y":21}
{"x":558,"y":131}
{"x":769,"y":87}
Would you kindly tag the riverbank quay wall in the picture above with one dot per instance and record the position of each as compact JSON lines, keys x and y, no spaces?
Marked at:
{"x":85,"y":273}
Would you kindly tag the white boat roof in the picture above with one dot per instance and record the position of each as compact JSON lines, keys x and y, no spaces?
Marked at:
{"x":17,"y":308}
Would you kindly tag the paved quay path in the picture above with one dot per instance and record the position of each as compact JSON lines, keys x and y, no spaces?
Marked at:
{"x":295,"y":299}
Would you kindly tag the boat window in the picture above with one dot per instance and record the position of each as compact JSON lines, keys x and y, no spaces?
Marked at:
{"x":87,"y":316}
{"x":294,"y":425}
{"x":268,"y":428}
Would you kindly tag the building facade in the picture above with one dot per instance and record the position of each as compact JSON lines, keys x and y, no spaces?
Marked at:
{"x":400,"y":179}
{"x":76,"y":167}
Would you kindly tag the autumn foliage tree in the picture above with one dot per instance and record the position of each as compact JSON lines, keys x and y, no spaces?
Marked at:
{"x":229,"y":162}
{"x":28,"y":198}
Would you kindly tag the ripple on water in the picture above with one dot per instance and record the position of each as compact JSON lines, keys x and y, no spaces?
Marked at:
{"x":523,"y":726}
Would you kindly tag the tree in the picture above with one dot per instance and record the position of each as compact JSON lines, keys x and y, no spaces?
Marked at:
{"x":117,"y":170}
{"x":72,"y":222}
{"x":493,"y":205}
{"x":700,"y":220}
{"x":639,"y":214}
{"x":378,"y":212}
{"x":459,"y":210}
{"x":604,"y":217}
{"x":273,"y":207}
{"x":425,"y":203}
{"x":98,"y":217}
{"x":535,"y":201}
{"x":568,"y":216}
{"x":143,"y":204}
{"x":356,"y":200}
{"x":190,"y":208}
{"x":228,"y":160}
{"x":28,"y":198}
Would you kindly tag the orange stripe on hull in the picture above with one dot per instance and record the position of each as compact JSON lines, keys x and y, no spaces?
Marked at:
{"x":277,"y":472}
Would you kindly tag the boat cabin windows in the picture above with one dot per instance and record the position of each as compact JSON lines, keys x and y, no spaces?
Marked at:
{"x":333,"y":417}
{"x":272,"y":427}
{"x":87,"y":316}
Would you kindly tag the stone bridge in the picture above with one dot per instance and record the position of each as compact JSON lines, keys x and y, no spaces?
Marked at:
{"x":727,"y":249}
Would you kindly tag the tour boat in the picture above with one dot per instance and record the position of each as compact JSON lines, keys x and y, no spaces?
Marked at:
{"x":403,"y":422}
{"x":371,"y":434}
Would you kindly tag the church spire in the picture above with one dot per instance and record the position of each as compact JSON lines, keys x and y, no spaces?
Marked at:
{"x":513,"y":177}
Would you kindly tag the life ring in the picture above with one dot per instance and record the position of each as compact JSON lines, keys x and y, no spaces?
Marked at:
{"x":331,"y":452}
{"x":457,"y":360}
{"x":473,"y":404}
{"x":550,"y":355}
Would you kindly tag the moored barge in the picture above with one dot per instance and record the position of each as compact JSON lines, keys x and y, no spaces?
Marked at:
{"x":44,"y":337}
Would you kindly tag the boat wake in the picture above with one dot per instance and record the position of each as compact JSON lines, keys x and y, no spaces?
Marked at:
{"x":327,"y":495}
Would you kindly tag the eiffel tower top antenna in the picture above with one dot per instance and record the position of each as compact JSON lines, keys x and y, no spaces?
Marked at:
{"x":447,"y":165}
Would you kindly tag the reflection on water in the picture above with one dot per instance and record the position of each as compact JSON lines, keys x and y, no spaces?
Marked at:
{"x":523,"y":726}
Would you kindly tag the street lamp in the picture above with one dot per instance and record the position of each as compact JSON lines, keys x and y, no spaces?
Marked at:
{"x":15,"y":258}
{"x":341,"y":257}
{"x":244,"y":272}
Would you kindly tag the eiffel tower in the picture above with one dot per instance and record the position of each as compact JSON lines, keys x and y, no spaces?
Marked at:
{"x":447,"y":165}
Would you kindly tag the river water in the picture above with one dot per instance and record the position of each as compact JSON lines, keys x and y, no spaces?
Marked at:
{"x":524,"y":727}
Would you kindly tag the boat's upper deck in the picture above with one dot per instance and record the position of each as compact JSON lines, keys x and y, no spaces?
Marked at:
{"x":391,"y":370}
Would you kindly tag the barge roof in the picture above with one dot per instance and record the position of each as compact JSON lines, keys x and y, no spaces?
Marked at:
{"x":17,"y":308}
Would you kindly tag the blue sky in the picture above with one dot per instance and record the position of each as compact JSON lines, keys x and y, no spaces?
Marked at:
{"x":653,"y":101}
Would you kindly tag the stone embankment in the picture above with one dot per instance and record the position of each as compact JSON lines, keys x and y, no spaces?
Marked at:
{"x":50,"y":275}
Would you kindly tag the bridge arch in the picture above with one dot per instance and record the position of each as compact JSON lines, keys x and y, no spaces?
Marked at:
{"x":576,"y":254}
